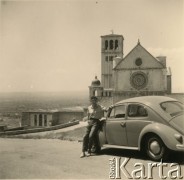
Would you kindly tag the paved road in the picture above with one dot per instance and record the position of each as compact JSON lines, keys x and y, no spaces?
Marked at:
{"x":52,"y":159}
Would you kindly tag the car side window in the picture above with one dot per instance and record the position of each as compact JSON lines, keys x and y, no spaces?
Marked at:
{"x":136,"y":110}
{"x":118,"y":112}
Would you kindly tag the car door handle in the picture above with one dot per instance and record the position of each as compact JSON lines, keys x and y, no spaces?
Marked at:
{"x":123,"y":124}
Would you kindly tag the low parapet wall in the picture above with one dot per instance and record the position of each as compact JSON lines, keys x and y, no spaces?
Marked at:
{"x":16,"y":132}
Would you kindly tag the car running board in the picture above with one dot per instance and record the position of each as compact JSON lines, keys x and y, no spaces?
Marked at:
{"x":120,"y":147}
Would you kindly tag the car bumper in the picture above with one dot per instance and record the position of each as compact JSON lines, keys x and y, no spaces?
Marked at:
{"x":180,"y":147}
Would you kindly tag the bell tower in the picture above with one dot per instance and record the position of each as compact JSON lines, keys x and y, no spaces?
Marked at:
{"x":111,"y":47}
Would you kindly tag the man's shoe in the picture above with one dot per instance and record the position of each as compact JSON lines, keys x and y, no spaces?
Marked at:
{"x":88,"y":154}
{"x":82,"y":155}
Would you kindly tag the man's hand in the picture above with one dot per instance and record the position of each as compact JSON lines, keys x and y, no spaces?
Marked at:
{"x":85,"y":118}
{"x":110,"y":107}
{"x":103,"y":119}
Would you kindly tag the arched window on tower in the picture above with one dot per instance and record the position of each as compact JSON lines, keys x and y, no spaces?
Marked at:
{"x":111,"y":58}
{"x":116,"y":44}
{"x":111,"y":44}
{"x":95,"y":93}
{"x":106,"y":45}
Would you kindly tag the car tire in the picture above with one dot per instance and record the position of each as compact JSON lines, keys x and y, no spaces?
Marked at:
{"x":156,"y":149}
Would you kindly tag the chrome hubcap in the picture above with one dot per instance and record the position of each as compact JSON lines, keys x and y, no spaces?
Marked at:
{"x":155,"y":147}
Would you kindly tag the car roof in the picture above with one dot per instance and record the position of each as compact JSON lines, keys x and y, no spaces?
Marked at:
{"x":151,"y":101}
{"x":147,"y":100}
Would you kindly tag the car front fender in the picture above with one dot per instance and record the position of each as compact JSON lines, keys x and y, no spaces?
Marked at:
{"x":166,"y":133}
{"x":102,"y":133}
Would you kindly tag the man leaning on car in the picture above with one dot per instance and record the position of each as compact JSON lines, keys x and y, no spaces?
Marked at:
{"x":95,"y":113}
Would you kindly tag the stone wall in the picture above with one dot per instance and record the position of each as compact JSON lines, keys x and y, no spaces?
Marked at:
{"x":66,"y":116}
{"x":42,"y":129}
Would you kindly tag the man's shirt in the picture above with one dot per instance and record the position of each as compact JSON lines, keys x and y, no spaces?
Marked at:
{"x":96,"y":112}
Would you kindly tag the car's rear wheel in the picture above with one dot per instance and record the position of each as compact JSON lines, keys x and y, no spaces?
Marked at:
{"x":156,"y":149}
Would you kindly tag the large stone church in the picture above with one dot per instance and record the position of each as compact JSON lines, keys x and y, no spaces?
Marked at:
{"x":137,"y":74}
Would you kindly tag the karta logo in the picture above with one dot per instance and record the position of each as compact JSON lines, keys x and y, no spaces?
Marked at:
{"x":142,"y":171}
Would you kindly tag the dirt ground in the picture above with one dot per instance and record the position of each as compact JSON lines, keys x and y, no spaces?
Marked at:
{"x":58,"y":159}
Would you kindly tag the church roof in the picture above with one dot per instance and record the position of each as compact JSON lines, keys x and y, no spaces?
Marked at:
{"x":132,"y":51}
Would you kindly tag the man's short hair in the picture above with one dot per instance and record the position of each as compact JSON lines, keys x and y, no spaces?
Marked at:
{"x":94,"y":98}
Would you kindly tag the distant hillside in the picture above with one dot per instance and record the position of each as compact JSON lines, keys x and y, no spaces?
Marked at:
{"x":22,"y":101}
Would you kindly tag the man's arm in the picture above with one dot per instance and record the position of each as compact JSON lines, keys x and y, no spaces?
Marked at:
{"x":88,"y":114}
{"x":106,"y":109}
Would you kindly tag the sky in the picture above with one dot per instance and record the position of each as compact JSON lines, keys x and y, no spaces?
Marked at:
{"x":56,"y":45}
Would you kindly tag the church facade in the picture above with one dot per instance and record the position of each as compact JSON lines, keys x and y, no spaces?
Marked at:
{"x":137,"y":74}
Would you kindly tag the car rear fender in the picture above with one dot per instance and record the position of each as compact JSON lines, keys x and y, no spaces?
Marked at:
{"x":165,"y":132}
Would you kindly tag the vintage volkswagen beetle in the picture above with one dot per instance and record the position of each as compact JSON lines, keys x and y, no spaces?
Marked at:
{"x":152,"y":124}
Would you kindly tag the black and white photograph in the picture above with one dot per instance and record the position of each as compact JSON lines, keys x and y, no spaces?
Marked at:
{"x":92,"y":89}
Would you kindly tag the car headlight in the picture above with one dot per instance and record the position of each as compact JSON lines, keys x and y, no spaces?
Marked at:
{"x":179,"y":138}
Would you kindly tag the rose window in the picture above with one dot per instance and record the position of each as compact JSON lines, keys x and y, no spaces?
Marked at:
{"x":138,"y":80}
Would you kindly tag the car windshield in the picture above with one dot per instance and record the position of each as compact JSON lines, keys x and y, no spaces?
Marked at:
{"x":173,"y":108}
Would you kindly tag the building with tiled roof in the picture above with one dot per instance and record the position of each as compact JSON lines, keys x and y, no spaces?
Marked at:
{"x":47,"y":118}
